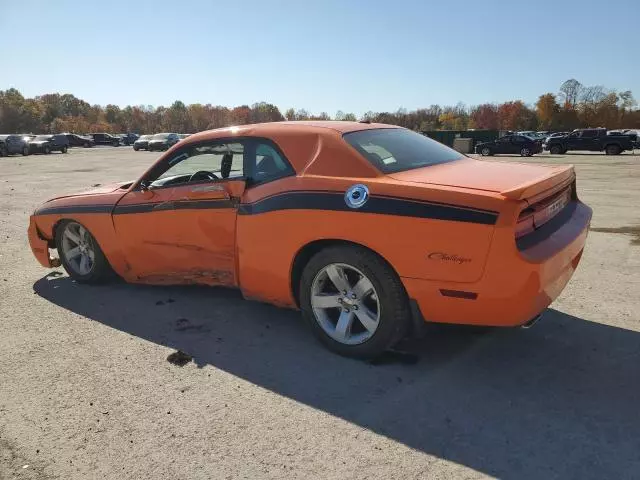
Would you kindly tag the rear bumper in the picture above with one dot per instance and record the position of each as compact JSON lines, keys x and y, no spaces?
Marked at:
{"x":39,"y":246}
{"x":519,"y":282}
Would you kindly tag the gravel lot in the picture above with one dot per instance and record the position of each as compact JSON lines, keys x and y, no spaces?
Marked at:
{"x":86,"y":390}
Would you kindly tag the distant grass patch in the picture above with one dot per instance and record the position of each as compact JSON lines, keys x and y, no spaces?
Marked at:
{"x":634,"y":231}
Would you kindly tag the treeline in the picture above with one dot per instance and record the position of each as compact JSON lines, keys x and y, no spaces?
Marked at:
{"x":574,"y":106}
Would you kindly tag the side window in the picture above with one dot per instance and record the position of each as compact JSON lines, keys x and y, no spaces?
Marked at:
{"x":589,"y":133}
{"x":506,"y":139}
{"x":203,"y":162}
{"x":574,"y":135}
{"x":268,"y":163}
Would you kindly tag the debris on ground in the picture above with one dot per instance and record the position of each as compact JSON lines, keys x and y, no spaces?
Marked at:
{"x":179,"y":358}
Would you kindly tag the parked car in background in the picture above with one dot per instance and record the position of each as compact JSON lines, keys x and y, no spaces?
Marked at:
{"x":128,"y":138}
{"x":105,"y":139}
{"x":49,"y":143}
{"x":163,"y":141}
{"x":79,"y":140}
{"x":12,"y":144}
{"x":142,"y":143}
{"x":182,"y":136}
{"x":519,"y":144}
{"x":590,"y":139}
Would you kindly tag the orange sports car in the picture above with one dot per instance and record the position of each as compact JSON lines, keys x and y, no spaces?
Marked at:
{"x":369,"y":229}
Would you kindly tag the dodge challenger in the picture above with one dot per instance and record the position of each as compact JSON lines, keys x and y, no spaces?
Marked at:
{"x":370,"y":230}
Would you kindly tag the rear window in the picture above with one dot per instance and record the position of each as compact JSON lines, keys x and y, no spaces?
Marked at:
{"x":397,"y":149}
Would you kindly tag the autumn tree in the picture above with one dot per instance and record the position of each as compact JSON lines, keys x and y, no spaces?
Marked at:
{"x":485,"y":116}
{"x":548,"y":111}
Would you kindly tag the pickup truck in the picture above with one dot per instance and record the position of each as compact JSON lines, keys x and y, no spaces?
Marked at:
{"x":592,"y":139}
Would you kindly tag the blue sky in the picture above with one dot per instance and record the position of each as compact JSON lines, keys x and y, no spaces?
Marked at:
{"x":353,"y":55}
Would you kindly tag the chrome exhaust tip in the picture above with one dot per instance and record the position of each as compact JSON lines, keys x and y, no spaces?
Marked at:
{"x":532,"y":322}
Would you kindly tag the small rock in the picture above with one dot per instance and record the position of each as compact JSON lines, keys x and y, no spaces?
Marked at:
{"x":179,"y":358}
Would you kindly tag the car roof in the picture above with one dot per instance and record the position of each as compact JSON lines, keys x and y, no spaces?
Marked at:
{"x":305,"y":143}
{"x":256,"y":129}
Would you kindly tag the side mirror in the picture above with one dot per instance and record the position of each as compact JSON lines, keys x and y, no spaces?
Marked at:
{"x":144,"y":185}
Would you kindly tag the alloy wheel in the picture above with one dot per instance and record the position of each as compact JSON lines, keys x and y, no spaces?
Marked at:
{"x":78,"y":248}
{"x":345,"y":304}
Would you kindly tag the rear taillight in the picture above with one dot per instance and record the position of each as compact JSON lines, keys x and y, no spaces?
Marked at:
{"x":525,"y":223}
{"x":541,"y":212}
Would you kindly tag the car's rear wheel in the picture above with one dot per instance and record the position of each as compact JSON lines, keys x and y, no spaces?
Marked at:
{"x":3,"y":151}
{"x":354,"y":301}
{"x":485,"y":151}
{"x":613,"y":150}
{"x":116,"y":144}
{"x":85,"y":144}
{"x":80,"y":253}
{"x":135,"y":148}
{"x":555,"y":150}
{"x":63,"y":149}
{"x":525,"y":152}
{"x":25,"y":151}
{"x":47,"y":150}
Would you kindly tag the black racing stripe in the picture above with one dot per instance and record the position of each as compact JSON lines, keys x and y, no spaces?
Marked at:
{"x":74,"y":209}
{"x":377,"y":204}
{"x":177,"y":205}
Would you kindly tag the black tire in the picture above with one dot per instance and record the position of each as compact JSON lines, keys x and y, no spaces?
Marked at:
{"x":135,"y":148}
{"x":85,"y":144}
{"x":395,"y":312}
{"x":116,"y":144}
{"x":47,"y":150}
{"x":3,"y":152}
{"x":525,"y":152}
{"x":613,"y":149}
{"x":486,"y":152}
{"x":100,"y":271}
{"x":63,"y":149}
{"x":555,"y":150}
{"x":25,"y":151}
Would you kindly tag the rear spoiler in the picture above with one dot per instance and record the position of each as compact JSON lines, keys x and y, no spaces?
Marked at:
{"x":558,"y":178}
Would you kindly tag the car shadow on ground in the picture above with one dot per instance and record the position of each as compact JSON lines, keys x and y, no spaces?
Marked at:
{"x":561,"y":400}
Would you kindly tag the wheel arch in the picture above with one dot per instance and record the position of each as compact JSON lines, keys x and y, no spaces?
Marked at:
{"x":307,"y":251}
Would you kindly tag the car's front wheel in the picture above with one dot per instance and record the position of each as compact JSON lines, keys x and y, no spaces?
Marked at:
{"x":555,"y":150}
{"x":485,"y":151}
{"x":354,"y":301}
{"x":25,"y":151}
{"x":80,"y":253}
{"x":47,"y":150}
{"x":63,"y":149}
{"x":525,"y":152}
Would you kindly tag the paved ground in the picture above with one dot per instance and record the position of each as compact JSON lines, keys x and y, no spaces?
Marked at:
{"x":86,"y":391}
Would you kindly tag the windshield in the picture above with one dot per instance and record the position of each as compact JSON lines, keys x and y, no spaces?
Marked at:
{"x":397,"y":149}
{"x":145,"y":137}
{"x":161,"y":136}
{"x":43,"y":137}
